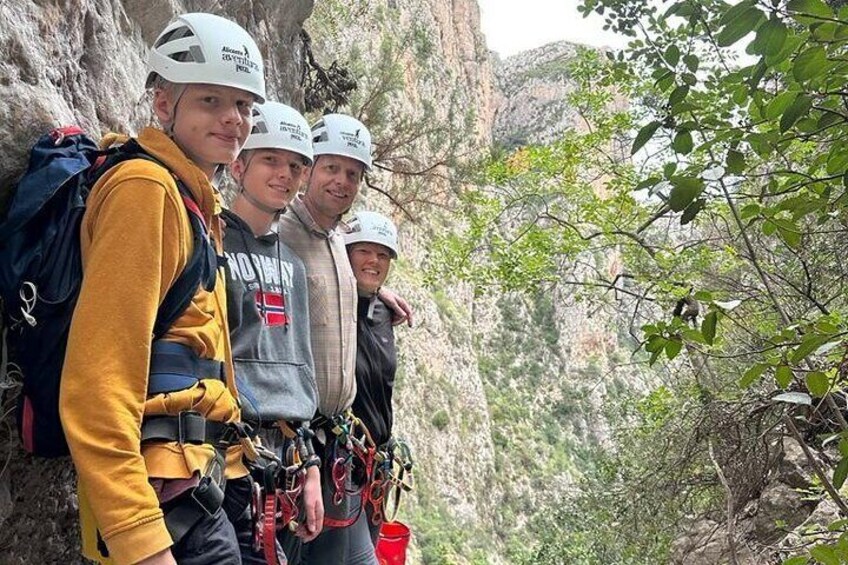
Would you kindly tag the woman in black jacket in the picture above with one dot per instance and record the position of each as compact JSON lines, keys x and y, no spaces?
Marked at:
{"x":371,"y":247}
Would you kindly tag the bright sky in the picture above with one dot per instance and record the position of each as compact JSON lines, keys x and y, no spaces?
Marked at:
{"x":511,"y":27}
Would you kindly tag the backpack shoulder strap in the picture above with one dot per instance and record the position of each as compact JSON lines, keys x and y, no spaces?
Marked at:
{"x":201,"y":267}
{"x":199,"y":270}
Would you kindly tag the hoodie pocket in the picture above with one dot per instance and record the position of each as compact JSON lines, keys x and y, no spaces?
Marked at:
{"x":273,"y":390}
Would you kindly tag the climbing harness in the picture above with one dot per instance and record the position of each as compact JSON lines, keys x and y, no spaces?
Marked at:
{"x":277,"y":488}
{"x":387,"y":469}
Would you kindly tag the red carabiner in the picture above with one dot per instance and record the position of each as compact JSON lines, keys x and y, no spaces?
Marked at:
{"x":339,"y":475}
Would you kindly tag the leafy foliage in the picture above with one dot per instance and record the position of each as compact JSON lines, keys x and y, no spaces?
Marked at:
{"x":724,"y":183}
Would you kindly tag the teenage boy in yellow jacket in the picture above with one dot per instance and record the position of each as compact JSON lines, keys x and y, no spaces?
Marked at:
{"x":139,"y":499}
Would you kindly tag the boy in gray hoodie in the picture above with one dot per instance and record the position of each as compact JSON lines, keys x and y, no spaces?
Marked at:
{"x":267,"y":300}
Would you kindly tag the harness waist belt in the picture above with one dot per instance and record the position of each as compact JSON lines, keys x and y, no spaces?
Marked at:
{"x":187,"y":427}
{"x":173,"y":367}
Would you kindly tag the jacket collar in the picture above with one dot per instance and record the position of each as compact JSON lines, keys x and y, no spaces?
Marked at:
{"x":163,"y":148}
{"x":300,"y":210}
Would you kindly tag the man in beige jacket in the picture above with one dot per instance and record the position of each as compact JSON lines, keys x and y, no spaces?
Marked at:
{"x":310,"y":226}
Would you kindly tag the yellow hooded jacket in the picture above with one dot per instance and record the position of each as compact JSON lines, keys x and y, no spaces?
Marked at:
{"x":136,"y":239}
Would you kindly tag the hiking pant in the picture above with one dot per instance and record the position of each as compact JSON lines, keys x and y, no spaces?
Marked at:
{"x":345,"y":546}
{"x":342,"y":546}
{"x":373,"y":529}
{"x":211,"y":541}
{"x":292,"y":545}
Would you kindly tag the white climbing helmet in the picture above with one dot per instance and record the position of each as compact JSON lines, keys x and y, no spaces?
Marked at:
{"x":338,"y":134}
{"x":205,"y":48}
{"x":277,"y":126}
{"x":371,"y":227}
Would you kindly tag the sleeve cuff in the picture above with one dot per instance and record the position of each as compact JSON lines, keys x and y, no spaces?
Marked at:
{"x":147,"y":538}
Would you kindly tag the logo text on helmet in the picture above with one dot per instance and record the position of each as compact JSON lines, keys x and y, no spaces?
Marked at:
{"x":241,"y":59}
{"x":352,"y":139}
{"x":383,"y":230}
{"x":293,"y":130}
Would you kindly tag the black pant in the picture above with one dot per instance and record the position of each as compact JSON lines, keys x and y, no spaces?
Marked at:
{"x":211,"y":541}
{"x":340,"y":546}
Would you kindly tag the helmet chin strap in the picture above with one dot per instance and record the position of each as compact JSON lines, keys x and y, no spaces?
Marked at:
{"x":169,"y":128}
{"x":256,"y":204}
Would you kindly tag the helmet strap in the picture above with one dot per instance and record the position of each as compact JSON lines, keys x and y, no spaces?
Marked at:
{"x":256,"y":204}
{"x":179,"y":90}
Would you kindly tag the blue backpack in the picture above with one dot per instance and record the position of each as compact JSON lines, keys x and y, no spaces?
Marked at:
{"x":41,"y":272}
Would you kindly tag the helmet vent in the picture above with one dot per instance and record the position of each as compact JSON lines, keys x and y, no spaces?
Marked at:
{"x":182,"y":56}
{"x":193,"y":55}
{"x":259,"y":127}
{"x":173,"y":35}
{"x":197,"y":54}
{"x":324,"y":136}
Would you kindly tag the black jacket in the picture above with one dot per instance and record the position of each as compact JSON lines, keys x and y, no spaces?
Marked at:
{"x":376,"y":364}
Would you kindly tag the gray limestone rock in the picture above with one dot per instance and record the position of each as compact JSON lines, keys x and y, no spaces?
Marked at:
{"x":779,"y":504}
{"x":83,"y":62}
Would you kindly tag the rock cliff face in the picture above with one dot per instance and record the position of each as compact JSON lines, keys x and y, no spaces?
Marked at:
{"x":83,"y":61}
{"x":534,"y":85}
{"x":782,"y":520}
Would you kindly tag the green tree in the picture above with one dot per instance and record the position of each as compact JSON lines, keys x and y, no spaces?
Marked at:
{"x":419,"y":143}
{"x":734,"y":200}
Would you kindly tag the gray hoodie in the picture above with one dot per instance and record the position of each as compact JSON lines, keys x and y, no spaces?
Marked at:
{"x":268,"y":312}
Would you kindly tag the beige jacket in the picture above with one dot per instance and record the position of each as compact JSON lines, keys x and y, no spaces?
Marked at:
{"x":332,"y":305}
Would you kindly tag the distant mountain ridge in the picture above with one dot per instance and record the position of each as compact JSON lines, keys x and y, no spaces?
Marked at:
{"x":533,"y":86}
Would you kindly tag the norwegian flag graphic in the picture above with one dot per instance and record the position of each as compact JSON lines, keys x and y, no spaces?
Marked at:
{"x":272,"y":308}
